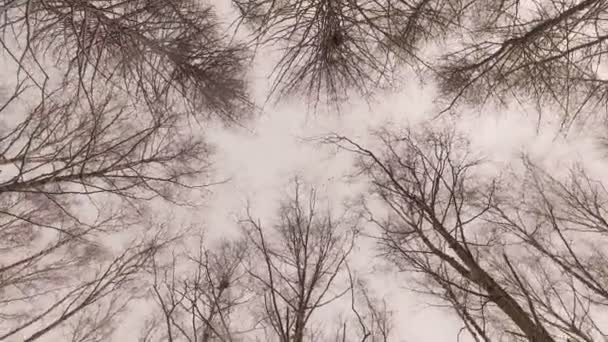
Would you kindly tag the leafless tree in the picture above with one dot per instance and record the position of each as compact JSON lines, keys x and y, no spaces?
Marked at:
{"x":39,"y":296}
{"x":80,"y":163}
{"x":329,"y":47}
{"x":106,"y":138}
{"x":561,"y":266}
{"x":298,"y":264}
{"x":548,"y":51}
{"x":439,"y":227}
{"x":371,"y":319}
{"x":157,"y":51}
{"x":74,"y":174}
{"x":200,"y":302}
{"x":108,"y":148}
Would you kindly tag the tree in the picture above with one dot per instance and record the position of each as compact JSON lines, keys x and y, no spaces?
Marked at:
{"x":505,"y":267}
{"x":199,"y":304}
{"x":156,"y":51}
{"x":373,"y":318}
{"x":104,"y":138}
{"x":545,"y":51}
{"x":263,"y":278}
{"x":73,"y":175}
{"x":41,"y":293}
{"x":299,"y":264}
{"x":329,"y":47}
{"x":548,"y":51}
{"x":95,"y":129}
{"x":559,"y":221}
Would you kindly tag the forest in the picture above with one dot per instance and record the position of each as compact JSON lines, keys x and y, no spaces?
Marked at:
{"x":304,"y":170}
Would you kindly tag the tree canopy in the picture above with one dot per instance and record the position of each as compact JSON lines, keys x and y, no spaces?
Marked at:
{"x":105,"y":111}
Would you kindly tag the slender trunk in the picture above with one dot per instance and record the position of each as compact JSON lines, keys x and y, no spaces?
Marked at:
{"x":534,"y":331}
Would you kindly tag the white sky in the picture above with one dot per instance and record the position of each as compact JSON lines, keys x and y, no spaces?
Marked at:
{"x":261,"y":158}
{"x":260,"y":162}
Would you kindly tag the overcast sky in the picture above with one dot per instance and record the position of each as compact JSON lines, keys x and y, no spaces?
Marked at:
{"x":259,"y":160}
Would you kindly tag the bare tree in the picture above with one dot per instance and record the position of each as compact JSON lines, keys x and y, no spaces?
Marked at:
{"x":73,"y":175}
{"x":561,"y":267}
{"x":436,"y":229}
{"x":298,"y":264}
{"x":46,"y":295}
{"x":548,"y":51}
{"x":329,"y":47}
{"x":105,"y":139}
{"x":157,"y":51}
{"x":371,"y":320}
{"x":200,"y":302}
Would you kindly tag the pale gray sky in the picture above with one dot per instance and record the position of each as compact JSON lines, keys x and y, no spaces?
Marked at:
{"x":260,"y":159}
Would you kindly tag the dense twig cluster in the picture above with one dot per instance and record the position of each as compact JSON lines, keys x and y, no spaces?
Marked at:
{"x":156,"y":51}
{"x":328,"y":47}
{"x":548,"y":51}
